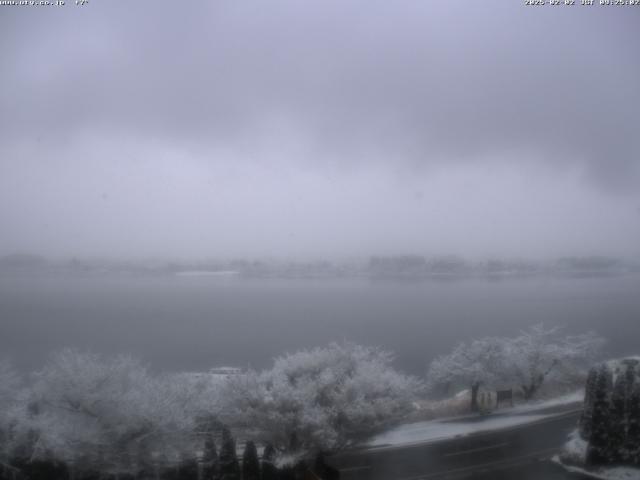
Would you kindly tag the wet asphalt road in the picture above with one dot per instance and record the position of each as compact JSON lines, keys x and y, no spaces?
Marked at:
{"x":518,"y":453}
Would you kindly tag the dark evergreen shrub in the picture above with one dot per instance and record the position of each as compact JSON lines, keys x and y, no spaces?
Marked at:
{"x":589,"y":398}
{"x":210,"y":462}
{"x":286,"y":473}
{"x":188,"y":469}
{"x":269,"y":470}
{"x":250,"y":462}
{"x":43,"y":470}
{"x":324,"y":471}
{"x":599,"y":438}
{"x":632,"y":445}
{"x":229,"y":465}
{"x":617,"y":421}
{"x":611,"y":420}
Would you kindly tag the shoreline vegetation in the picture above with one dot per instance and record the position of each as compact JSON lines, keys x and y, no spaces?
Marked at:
{"x":396,"y":267}
{"x":101,"y":416}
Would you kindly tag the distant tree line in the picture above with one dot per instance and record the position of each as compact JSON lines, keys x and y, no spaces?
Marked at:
{"x":392,"y":266}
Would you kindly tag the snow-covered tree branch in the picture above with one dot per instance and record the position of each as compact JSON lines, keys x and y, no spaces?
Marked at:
{"x":526,"y":361}
{"x":12,"y":410}
{"x":480,"y":362}
{"x":324,"y":398}
{"x":108,"y":413}
{"x":541,"y":353}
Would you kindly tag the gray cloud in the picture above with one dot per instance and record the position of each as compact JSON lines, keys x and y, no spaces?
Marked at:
{"x":319,"y":99}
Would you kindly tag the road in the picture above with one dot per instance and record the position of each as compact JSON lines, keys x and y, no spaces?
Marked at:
{"x":520,"y":453}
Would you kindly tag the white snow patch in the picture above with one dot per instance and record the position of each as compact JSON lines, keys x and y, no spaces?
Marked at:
{"x":568,"y":399}
{"x":463,"y":394}
{"x":620,"y":473}
{"x":614,"y":473}
{"x":438,"y":430}
{"x":574,"y":452}
{"x":288,"y":460}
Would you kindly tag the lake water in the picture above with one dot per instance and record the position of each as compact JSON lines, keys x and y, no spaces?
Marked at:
{"x":194,"y":323}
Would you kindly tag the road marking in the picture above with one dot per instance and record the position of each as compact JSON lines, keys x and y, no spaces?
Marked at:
{"x":476,"y":450}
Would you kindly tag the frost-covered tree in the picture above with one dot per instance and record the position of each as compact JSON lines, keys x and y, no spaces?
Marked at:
{"x":470,"y":365}
{"x":12,"y":413}
{"x":250,"y":462}
{"x":527,"y":360}
{"x":539,"y":354}
{"x":324,"y":398}
{"x":108,"y":414}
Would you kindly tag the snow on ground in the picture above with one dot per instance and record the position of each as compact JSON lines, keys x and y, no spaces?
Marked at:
{"x":619,"y":473}
{"x":574,"y":453}
{"x":441,"y":429}
{"x":568,"y":399}
{"x":458,"y":405}
{"x":614,"y":473}
{"x":448,"y":407}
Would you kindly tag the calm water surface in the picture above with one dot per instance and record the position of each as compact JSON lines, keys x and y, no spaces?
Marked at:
{"x":193,"y":323}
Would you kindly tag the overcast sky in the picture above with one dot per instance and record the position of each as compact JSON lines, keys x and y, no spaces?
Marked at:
{"x":319,"y":128}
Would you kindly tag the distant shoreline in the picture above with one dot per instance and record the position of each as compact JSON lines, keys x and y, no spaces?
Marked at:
{"x":207,"y":273}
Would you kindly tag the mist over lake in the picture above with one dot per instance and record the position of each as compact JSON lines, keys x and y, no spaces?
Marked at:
{"x":193,"y":323}
{"x":286,"y":229}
